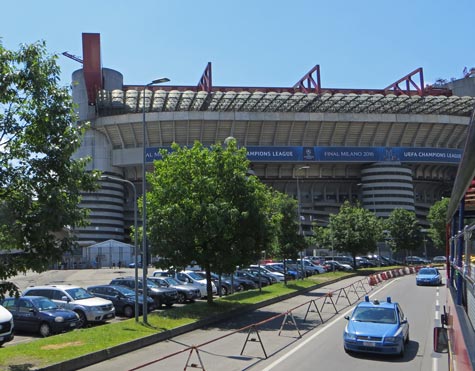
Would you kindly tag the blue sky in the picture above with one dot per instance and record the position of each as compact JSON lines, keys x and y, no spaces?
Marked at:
{"x":358,"y":44}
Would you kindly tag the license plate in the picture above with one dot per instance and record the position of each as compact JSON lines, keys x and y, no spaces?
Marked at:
{"x":72,"y":324}
{"x":369,"y":344}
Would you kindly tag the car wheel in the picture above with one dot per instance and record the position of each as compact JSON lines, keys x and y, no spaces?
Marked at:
{"x":82,"y":319}
{"x":159,"y":303}
{"x":181,"y":298}
{"x":169,"y":305}
{"x":45,"y":329}
{"x":128,"y":311}
{"x":407,"y":338}
{"x":224,"y":290}
{"x":401,"y":353}
{"x":241,"y":287}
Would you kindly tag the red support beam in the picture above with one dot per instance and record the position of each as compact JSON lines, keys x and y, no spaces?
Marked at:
{"x":91,"y":52}
{"x":310,"y":83}
{"x":409,"y":83}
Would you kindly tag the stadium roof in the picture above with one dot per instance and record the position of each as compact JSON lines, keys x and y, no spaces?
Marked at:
{"x":130,"y":101}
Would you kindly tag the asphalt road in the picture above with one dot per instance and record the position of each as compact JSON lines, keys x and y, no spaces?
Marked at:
{"x":288,"y":342}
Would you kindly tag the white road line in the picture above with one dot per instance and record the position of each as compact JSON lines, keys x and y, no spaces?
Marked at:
{"x":285,"y":356}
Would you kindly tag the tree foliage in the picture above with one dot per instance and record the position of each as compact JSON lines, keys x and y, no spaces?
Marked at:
{"x":405,"y":232}
{"x":40,"y":184}
{"x":353,"y":230}
{"x":289,"y":241}
{"x":437,"y":216}
{"x":203,"y":206}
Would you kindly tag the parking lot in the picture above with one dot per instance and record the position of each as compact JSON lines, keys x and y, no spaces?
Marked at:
{"x":77,"y":277}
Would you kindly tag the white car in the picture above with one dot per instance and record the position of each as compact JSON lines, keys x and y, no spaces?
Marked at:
{"x":6,"y":326}
{"x":89,"y":308}
{"x":193,"y":278}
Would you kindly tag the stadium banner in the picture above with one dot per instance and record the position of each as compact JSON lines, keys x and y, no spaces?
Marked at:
{"x":339,"y":154}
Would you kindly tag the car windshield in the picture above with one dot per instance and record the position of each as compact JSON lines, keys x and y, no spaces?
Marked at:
{"x":124,"y":290}
{"x":44,"y":304}
{"x":171,"y":281}
{"x":151,"y":284}
{"x":79,"y":293}
{"x":374,"y":314}
{"x":430,"y":271}
{"x":195,"y":276}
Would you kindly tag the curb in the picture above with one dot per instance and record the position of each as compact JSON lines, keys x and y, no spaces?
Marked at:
{"x":102,"y":355}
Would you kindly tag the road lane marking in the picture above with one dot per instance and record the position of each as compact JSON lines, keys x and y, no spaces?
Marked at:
{"x":327,"y":326}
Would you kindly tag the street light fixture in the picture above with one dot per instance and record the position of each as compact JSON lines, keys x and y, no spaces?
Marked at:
{"x":144,"y":201}
{"x":136,"y":309}
{"x":298,"y":211}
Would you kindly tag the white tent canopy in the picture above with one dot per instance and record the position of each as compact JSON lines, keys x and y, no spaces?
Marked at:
{"x":108,"y":254}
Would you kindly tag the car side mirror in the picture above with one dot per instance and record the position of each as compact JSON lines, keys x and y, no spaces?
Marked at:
{"x":441,"y":340}
{"x":65,"y":298}
{"x":404,"y":321}
{"x":347,"y":318}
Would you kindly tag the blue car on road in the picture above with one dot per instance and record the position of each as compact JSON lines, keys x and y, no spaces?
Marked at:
{"x":428,"y":276}
{"x":376,"y":327}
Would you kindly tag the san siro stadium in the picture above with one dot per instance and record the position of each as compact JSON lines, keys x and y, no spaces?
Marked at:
{"x":396,"y":147}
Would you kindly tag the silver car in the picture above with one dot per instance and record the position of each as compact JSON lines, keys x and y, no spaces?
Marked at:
{"x":89,"y":308}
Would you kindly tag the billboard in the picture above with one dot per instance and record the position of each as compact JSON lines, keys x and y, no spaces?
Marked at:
{"x":340,"y":154}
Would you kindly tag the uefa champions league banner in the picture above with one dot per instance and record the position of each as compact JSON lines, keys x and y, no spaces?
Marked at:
{"x":339,"y":154}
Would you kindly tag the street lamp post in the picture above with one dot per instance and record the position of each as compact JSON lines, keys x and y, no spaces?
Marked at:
{"x":298,"y":212}
{"x":144,"y":200}
{"x":136,"y":290}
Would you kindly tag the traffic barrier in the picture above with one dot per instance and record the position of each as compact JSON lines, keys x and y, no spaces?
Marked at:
{"x":372,"y":280}
{"x":384,"y":276}
{"x":407,"y":270}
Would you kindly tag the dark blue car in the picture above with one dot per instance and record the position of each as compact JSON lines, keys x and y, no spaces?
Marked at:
{"x":122,"y":297}
{"x":41,"y":315}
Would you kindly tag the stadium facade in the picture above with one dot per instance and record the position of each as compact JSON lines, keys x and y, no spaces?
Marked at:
{"x":396,"y":147}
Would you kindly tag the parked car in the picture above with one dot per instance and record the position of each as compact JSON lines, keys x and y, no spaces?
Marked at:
{"x":439,"y":259}
{"x":191,"y":277}
{"x":416,"y":260}
{"x":227,"y":285}
{"x":270,"y":279}
{"x":376,"y":327}
{"x":279,"y":267}
{"x":317,"y":269}
{"x":186,"y":293}
{"x":244,"y":283}
{"x":89,"y":308}
{"x":253,"y":277}
{"x":365,"y":262}
{"x":123,"y":298}
{"x":332,"y":265}
{"x":160,"y":295}
{"x":6,"y":326}
{"x":428,"y":276}
{"x":278,"y":275}
{"x":40,"y":315}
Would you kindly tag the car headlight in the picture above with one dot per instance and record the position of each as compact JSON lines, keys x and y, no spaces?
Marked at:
{"x":59,"y":319}
{"x":350,"y":336}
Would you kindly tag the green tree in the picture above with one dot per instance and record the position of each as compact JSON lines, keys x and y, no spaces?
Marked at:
{"x":203,"y":206}
{"x":405,"y":232}
{"x":289,"y":241}
{"x":353,"y":230}
{"x":436,"y":217}
{"x":40,"y":184}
